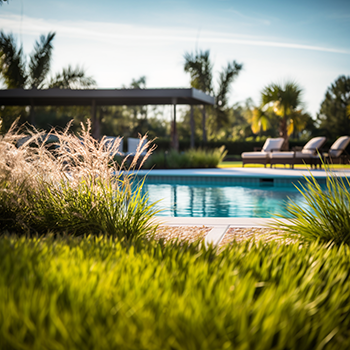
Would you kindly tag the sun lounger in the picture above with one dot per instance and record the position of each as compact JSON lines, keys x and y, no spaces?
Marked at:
{"x":308,"y":155}
{"x":133,"y":143}
{"x":263,"y":157}
{"x":337,"y":153}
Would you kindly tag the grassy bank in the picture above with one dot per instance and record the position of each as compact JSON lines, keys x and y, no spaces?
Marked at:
{"x":97,"y":293}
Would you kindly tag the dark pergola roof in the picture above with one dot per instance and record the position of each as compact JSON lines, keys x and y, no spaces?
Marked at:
{"x":103,"y":97}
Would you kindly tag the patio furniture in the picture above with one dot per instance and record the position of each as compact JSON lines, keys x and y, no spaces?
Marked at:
{"x":133,"y":143}
{"x":263,"y":157}
{"x":110,"y":142}
{"x":337,"y":153}
{"x":307,"y":155}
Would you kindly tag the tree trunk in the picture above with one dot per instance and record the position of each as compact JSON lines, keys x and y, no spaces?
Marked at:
{"x":284,"y":133}
{"x":204,"y":125}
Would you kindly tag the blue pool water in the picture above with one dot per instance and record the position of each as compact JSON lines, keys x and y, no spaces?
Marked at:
{"x":205,"y":200}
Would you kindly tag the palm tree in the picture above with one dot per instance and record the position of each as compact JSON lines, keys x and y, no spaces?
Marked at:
{"x":259,"y":120}
{"x":71,"y":78}
{"x":12,"y":60}
{"x":284,"y":101}
{"x":16,"y":74}
{"x":200,"y":68}
{"x":201,"y":72}
{"x":226,"y":78}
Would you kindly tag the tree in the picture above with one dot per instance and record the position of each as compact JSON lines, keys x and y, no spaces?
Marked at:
{"x":201,"y":72}
{"x":200,"y":68}
{"x":71,"y":78}
{"x":283,"y":101}
{"x":334,"y":115}
{"x":14,"y":72}
{"x":12,"y":62}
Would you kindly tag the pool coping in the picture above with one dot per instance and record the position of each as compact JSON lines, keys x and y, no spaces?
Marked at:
{"x":244,"y":172}
{"x":261,"y":177}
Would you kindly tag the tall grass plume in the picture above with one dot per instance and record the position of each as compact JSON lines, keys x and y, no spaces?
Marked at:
{"x":71,"y":184}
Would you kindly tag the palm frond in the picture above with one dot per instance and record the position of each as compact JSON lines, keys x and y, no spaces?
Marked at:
{"x":226,"y":77}
{"x":12,"y":63}
{"x":40,"y":60}
{"x":72,"y":78}
{"x":201,"y":70}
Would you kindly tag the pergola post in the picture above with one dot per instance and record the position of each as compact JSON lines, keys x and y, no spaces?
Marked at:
{"x":174,"y":139}
{"x":192,"y":126}
{"x":95,"y":122}
{"x":32,"y":112}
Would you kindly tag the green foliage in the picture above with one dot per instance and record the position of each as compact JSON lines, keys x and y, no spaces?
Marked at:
{"x":98,"y":293}
{"x":334,"y":113}
{"x":283,"y":101}
{"x":12,"y":62}
{"x":327,"y":217}
{"x":200,"y":68}
{"x":72,"y":185}
{"x":16,"y":74}
{"x":72,"y":78}
{"x":40,"y":60}
{"x":192,"y":158}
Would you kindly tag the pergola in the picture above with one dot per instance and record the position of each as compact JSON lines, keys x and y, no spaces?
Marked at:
{"x":105,"y":97}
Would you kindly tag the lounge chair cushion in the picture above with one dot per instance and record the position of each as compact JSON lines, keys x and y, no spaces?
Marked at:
{"x":261,"y":155}
{"x":290,"y":155}
{"x":278,"y":155}
{"x":272,"y":144}
{"x":313,"y":145}
{"x":339,"y":146}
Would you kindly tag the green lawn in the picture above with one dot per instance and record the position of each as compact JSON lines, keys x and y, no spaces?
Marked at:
{"x":97,"y":293}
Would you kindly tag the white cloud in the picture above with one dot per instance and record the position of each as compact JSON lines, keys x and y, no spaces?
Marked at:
{"x":106,"y":32}
{"x":250,"y":18}
{"x":116,"y":53}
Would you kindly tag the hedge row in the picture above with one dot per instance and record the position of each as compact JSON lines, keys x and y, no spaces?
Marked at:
{"x":234,"y":148}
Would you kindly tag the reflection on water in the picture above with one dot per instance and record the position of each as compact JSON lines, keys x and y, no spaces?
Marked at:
{"x":221,"y":201}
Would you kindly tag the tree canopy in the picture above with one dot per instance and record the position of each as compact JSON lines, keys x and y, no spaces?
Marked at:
{"x":285,"y":102}
{"x":200,"y":67}
{"x":15,"y":73}
{"x":334,"y":115}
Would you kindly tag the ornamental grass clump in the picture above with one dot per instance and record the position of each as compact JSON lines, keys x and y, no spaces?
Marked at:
{"x":76,"y":187}
{"x":326,"y":217}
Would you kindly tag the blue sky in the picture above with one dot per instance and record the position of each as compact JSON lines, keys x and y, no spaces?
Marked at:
{"x":116,"y":41}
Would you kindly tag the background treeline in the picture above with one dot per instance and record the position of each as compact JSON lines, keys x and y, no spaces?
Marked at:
{"x":240,"y":127}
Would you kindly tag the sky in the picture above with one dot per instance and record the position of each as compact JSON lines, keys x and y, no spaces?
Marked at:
{"x":116,"y":41}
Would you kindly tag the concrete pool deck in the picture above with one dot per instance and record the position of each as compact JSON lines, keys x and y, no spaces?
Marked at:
{"x":254,"y":176}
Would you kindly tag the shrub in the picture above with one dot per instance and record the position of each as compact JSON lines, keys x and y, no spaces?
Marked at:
{"x":198,"y":158}
{"x":327,"y":216}
{"x":75,"y":187}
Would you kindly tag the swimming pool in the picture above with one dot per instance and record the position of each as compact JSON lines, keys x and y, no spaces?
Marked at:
{"x":215,"y":200}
